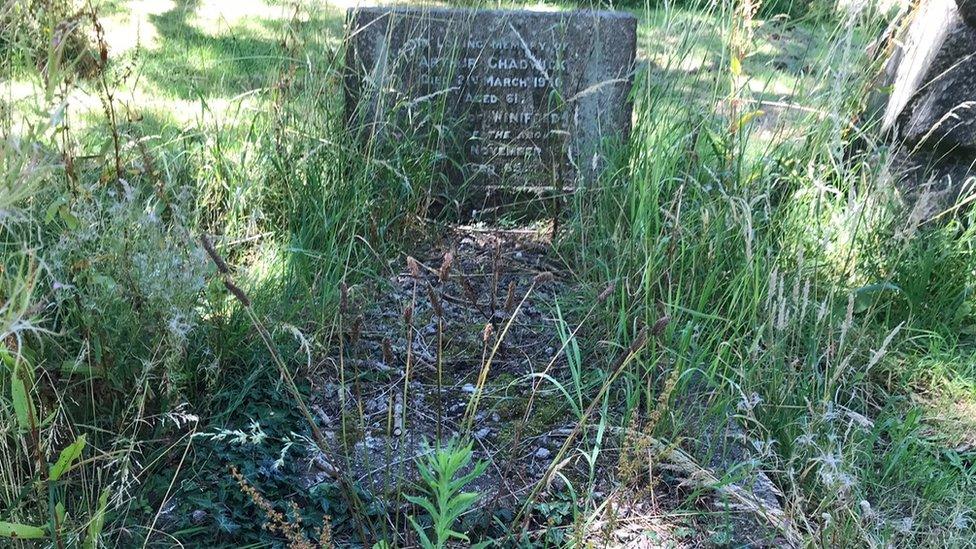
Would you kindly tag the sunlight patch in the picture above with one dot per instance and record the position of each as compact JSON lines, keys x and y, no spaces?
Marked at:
{"x":216,"y":18}
{"x":126,"y":31}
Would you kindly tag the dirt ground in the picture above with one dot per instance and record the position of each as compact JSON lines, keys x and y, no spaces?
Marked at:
{"x":480,"y":302}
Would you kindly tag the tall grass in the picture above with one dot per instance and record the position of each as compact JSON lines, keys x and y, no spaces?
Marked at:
{"x":795,"y":282}
{"x":745,"y":266}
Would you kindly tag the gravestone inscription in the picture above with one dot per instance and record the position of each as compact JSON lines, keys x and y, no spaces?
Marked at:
{"x":517,"y":98}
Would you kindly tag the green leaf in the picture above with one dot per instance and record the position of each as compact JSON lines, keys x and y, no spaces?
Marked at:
{"x":69,"y":218}
{"x":736,"y":66}
{"x":52,"y":210}
{"x":423,"y":503}
{"x":75,"y":368}
{"x":748,"y":117}
{"x":424,"y":540}
{"x":23,"y":406}
{"x":67,"y":457}
{"x":865,"y":295}
{"x":97,"y":522}
{"x":20,"y":531}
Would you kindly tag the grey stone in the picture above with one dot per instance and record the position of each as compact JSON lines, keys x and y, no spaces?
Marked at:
{"x":198,"y":516}
{"x":542,"y":453}
{"x":511,"y":98}
{"x":968,"y":10}
{"x":933,"y":99}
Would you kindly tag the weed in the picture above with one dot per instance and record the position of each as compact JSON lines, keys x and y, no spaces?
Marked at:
{"x":444,"y":476}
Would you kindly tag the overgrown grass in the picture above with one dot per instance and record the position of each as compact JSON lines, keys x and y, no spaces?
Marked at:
{"x":746,"y":266}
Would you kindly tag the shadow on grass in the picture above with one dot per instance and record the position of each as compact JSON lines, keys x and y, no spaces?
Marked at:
{"x":191,"y":64}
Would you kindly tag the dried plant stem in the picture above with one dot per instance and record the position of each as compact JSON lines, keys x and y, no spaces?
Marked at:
{"x":169,"y":489}
{"x":486,"y":362}
{"x":617,"y":369}
{"x":519,"y":425}
{"x":108,"y":98}
{"x":408,"y":319}
{"x":440,"y":373}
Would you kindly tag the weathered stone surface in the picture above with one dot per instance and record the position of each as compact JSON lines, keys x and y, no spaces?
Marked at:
{"x":968,"y":10}
{"x":933,"y":101}
{"x":517,"y":98}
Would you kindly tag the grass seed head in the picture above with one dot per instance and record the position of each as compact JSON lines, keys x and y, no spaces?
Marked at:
{"x":343,"y":298}
{"x":510,"y":299}
{"x":356,"y":330}
{"x":238,"y":293}
{"x":469,"y":291}
{"x":542,"y":278}
{"x":487,"y":332}
{"x":212,"y":252}
{"x":660,"y":325}
{"x":435,"y":301}
{"x":387,"y":351}
{"x":445,"y":270}
{"x":413,"y":266}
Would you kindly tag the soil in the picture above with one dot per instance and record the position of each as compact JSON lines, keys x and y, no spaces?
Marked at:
{"x":414,"y":346}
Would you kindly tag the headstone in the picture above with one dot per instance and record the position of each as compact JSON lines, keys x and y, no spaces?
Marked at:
{"x":518,"y":99}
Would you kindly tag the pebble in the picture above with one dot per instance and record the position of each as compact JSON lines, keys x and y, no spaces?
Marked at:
{"x":482,"y":433}
{"x":468,"y":388}
{"x":542,"y":453}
